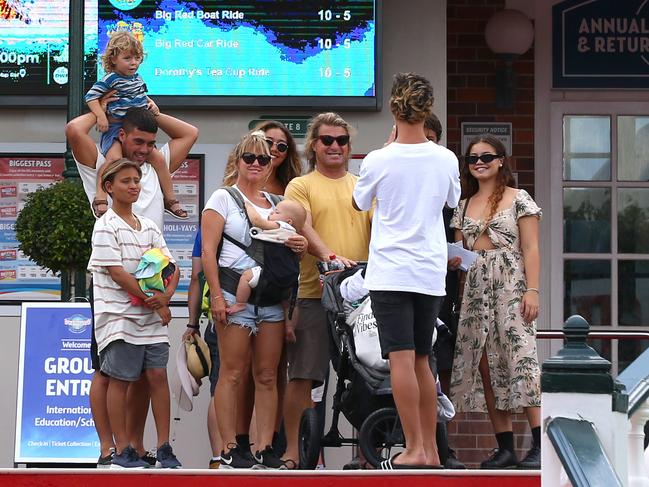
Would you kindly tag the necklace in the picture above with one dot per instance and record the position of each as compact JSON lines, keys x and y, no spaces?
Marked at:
{"x":137,"y":226}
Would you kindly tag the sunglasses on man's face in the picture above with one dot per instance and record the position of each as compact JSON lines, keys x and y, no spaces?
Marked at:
{"x":486,"y":158}
{"x":341,"y":140}
{"x":249,"y":158}
{"x":281,"y":146}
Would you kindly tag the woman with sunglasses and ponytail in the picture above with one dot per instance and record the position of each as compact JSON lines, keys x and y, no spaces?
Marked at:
{"x":496,"y":368}
{"x":285,"y":166}
{"x":256,"y":331}
{"x":285,"y":163}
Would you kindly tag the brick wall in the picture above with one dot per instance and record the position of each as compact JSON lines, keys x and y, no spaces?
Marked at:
{"x":471,"y":84}
{"x":472,"y":98}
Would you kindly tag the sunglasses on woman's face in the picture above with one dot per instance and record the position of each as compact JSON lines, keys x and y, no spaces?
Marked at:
{"x":249,"y":158}
{"x":281,"y":146}
{"x":341,"y":140}
{"x":486,"y":158}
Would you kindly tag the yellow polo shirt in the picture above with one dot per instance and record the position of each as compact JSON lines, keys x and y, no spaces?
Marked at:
{"x":343,"y":229}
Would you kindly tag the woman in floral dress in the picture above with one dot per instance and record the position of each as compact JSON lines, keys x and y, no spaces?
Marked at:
{"x":495,"y":366}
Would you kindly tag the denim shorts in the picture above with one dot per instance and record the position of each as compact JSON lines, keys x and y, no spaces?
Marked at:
{"x":109,"y":137}
{"x":252,"y":315}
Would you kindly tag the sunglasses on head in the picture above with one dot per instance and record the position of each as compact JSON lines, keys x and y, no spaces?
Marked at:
{"x":281,"y":146}
{"x":486,"y":158}
{"x":249,"y":158}
{"x":341,"y":140}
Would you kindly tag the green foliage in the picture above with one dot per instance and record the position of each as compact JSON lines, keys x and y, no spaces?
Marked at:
{"x":55,"y":227}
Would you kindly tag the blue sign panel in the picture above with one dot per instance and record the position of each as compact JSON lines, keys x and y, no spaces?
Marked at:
{"x":601,"y":44}
{"x":53,"y":423}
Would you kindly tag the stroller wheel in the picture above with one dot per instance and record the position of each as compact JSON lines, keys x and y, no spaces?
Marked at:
{"x":380,"y":434}
{"x":309,"y":440}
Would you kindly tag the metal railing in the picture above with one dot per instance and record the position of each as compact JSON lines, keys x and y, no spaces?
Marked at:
{"x":582,"y":454}
{"x":604,"y":335}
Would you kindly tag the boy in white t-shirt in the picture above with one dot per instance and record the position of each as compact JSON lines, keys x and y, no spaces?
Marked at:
{"x":285,"y":220}
{"x":132,"y":340}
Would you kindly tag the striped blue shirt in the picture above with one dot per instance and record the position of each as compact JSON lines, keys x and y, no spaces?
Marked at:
{"x":131,"y":92}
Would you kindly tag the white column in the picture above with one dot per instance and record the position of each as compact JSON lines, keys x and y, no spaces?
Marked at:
{"x":636,"y":454}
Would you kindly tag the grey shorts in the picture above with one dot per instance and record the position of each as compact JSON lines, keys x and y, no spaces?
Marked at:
{"x":308,"y":357}
{"x":125,"y":361}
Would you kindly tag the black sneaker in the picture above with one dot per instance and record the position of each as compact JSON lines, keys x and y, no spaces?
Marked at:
{"x":165,"y":457}
{"x":128,"y":459}
{"x":234,"y":458}
{"x":150,"y":457}
{"x":500,"y":459}
{"x":353,"y":464}
{"x":267,"y":458}
{"x":244,"y":446}
{"x":532,"y":460}
{"x":452,"y":462}
{"x":105,"y":462}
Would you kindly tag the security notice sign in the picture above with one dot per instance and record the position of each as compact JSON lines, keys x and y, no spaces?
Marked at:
{"x":53,"y":419}
{"x":500,"y":130}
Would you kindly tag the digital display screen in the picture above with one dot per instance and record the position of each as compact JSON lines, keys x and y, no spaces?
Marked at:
{"x":34,"y":46}
{"x":258,"y":48}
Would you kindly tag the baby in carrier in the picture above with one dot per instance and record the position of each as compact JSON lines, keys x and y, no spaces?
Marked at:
{"x":286,"y":220}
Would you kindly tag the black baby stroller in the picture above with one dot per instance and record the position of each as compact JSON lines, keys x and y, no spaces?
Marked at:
{"x":363,"y":394}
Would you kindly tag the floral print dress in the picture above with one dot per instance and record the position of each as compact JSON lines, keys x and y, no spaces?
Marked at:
{"x":490,"y":317}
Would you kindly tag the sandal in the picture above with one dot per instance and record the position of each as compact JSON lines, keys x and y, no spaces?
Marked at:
{"x":390,"y":465}
{"x":174,"y":209}
{"x":290,"y":464}
{"x":96,"y":210}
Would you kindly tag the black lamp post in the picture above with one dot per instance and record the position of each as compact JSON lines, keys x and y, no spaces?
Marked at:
{"x":75,"y":108}
{"x":75,"y":77}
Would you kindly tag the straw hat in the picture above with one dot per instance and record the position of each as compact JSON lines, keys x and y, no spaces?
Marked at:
{"x":181,"y":382}
{"x":199,"y":362}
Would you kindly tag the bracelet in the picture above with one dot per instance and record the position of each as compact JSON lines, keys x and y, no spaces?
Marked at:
{"x":532,"y":289}
{"x":218,"y":297}
{"x":194,"y":327}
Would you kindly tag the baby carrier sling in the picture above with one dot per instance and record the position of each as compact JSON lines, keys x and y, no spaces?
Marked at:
{"x":280,"y":265}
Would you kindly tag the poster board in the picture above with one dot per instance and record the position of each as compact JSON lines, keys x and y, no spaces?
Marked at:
{"x":21,"y":174}
{"x":180,"y":234}
{"x":20,"y":278}
{"x":53,"y":419}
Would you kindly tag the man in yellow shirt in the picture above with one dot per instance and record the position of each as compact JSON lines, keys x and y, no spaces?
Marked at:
{"x":333,"y":227}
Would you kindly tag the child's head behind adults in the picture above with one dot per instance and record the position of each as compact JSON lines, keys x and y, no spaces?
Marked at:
{"x":290,"y":212}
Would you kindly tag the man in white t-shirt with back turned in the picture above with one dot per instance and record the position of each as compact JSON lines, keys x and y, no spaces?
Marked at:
{"x":411,"y":179}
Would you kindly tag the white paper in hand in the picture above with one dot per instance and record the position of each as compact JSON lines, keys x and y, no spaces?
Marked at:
{"x":457,"y":250}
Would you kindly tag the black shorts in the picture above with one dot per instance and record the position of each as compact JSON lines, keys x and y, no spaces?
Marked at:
{"x":445,"y":345}
{"x":94,"y":354}
{"x":213,"y":344}
{"x":405,"y":320}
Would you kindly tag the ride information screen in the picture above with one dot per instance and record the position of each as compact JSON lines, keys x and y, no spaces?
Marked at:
{"x":223,"y":48}
{"x":34,"y":46}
